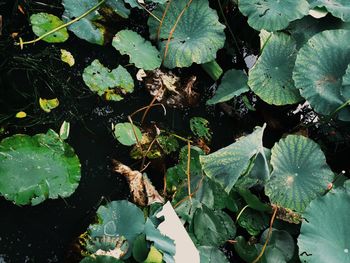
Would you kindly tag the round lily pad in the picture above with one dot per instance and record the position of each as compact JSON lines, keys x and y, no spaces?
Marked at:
{"x":197,"y":37}
{"x":272,"y":15}
{"x":233,"y":83}
{"x":140,"y":51}
{"x":338,"y":8}
{"x":44,"y":22}
{"x":110,"y":84}
{"x":271,"y":76}
{"x":125,"y":133}
{"x":325,"y":232}
{"x":300,"y":173}
{"x":319,"y":68}
{"x":36,"y":168}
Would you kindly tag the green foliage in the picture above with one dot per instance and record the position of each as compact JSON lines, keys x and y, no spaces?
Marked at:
{"x":272,"y":15}
{"x":43,"y":23}
{"x":168,"y":144}
{"x":324,"y":234}
{"x":271,"y":76}
{"x":210,"y":254}
{"x":140,"y":249}
{"x":140,"y":51}
{"x":300,"y":173}
{"x":197,"y":38}
{"x":199,"y":127}
{"x":36,"y":168}
{"x":233,"y":84}
{"x":110,"y":84}
{"x":321,"y":84}
{"x":253,"y":221}
{"x":227,"y":164}
{"x":126,"y":132}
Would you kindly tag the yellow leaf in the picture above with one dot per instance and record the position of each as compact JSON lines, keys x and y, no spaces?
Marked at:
{"x":21,"y":114}
{"x":67,"y":57}
{"x":48,"y":105}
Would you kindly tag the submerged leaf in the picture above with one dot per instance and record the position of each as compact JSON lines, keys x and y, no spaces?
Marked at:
{"x":233,"y":84}
{"x":126,"y":132}
{"x":197,"y":37}
{"x":325,"y":232}
{"x":36,"y":168}
{"x":67,"y":57}
{"x":140,"y":51}
{"x":300,"y":173}
{"x":271,"y":76}
{"x":48,"y":105}
{"x":44,"y":22}
{"x":321,"y":83}
{"x":226,"y":165}
{"x":273,"y":15}
{"x":110,"y":84}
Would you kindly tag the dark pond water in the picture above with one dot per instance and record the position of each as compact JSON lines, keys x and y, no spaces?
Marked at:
{"x":45,"y":233}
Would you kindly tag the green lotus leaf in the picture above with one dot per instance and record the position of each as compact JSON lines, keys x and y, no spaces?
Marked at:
{"x":140,"y":249}
{"x":272,"y":15}
{"x":338,"y":8}
{"x":44,"y":22}
{"x":197,"y":37}
{"x":303,"y":29}
{"x":300,"y":173}
{"x":233,"y":84}
{"x":280,"y":240}
{"x":110,"y":84}
{"x":345,"y":89}
{"x":114,"y":221}
{"x":36,"y":168}
{"x":212,"y":228}
{"x":126,"y":132}
{"x":226,"y":165}
{"x":245,"y":250}
{"x":325,"y":232}
{"x":320,"y":65}
{"x":140,"y":51}
{"x":88,"y":27}
{"x":253,"y":221}
{"x":271,"y":76}
{"x":211,"y":254}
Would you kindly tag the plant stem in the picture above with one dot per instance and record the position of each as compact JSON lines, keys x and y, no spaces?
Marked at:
{"x":21,"y":42}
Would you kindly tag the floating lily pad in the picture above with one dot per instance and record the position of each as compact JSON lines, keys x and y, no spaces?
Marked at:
{"x":300,"y":173}
{"x":272,"y":15}
{"x":325,"y":232}
{"x":44,"y":22}
{"x":197,"y":37}
{"x":126,"y":132}
{"x":36,"y":168}
{"x":271,"y":76}
{"x":86,"y":28}
{"x":140,"y":51}
{"x":226,"y":165}
{"x":338,"y":8}
{"x":319,"y":68}
{"x":110,"y":84}
{"x":48,"y":104}
{"x":233,"y":83}
{"x":67,"y":57}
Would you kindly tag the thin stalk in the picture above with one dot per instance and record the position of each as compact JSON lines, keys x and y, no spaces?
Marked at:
{"x":189,"y":169}
{"x":22,"y":43}
{"x":241,"y":212}
{"x":162,"y":20}
{"x":150,"y":13}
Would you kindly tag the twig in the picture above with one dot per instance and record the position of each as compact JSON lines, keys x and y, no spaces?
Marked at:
{"x":134,"y":131}
{"x":163,"y":17}
{"x":189,"y":169}
{"x":173,"y":29}
{"x":268,"y":236}
{"x":150,"y":105}
{"x":192,"y":194}
{"x":150,"y":13}
{"x":143,"y":108}
{"x":22,"y":43}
